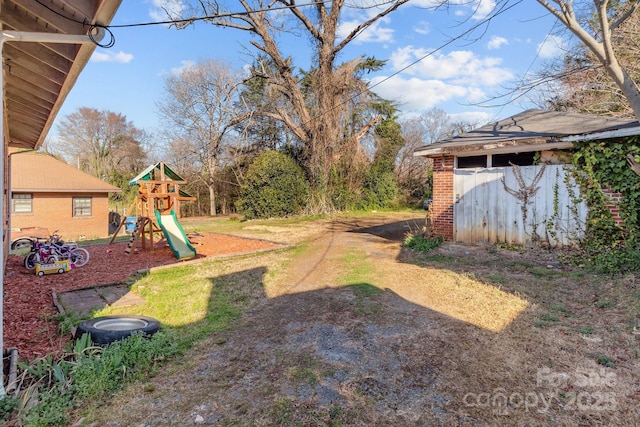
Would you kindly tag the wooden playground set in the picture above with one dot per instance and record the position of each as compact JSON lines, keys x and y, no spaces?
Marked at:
{"x":156,"y":209}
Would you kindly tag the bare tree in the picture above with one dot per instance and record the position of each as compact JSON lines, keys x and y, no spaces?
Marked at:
{"x":317,"y":113}
{"x":102,"y":143}
{"x":597,"y":34}
{"x":580,"y":82}
{"x":414,"y":173}
{"x":200,"y":112}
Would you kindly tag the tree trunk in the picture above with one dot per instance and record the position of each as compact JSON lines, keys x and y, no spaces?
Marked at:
{"x":212,"y":199}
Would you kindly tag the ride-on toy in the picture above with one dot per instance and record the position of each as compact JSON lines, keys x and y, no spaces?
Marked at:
{"x":53,"y":268}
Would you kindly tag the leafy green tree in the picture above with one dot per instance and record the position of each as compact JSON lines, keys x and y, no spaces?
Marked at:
{"x":275,"y":186}
{"x":379,"y":187}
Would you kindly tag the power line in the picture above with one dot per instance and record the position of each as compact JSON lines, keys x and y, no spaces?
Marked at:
{"x":456,"y":38}
{"x":107,"y":28}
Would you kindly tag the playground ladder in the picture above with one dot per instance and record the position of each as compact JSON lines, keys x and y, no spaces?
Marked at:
{"x":136,"y":233}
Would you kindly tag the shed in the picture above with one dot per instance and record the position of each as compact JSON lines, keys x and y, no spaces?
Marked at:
{"x":509,"y":181}
{"x":48,"y":193}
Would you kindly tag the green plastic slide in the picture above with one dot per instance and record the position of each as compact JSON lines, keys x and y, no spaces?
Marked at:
{"x":175,"y":235}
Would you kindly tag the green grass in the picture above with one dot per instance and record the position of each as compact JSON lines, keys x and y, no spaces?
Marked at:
{"x":497,"y":278}
{"x":586,"y":330}
{"x":86,"y":374}
{"x":359,"y":274}
{"x":603,"y":303}
{"x":422,"y":244}
{"x":236,"y":224}
{"x":548,"y":317}
{"x":194,"y":301}
{"x":358,"y":269}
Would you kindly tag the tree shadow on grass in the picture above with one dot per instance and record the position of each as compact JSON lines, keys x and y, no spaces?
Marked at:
{"x":350,"y":355}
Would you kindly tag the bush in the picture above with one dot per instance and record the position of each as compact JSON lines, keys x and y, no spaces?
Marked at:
{"x":275,"y":186}
{"x":421,"y":243}
{"x":379,"y":191}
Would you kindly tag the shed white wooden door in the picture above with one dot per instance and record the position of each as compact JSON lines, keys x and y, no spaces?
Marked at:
{"x":485,"y":212}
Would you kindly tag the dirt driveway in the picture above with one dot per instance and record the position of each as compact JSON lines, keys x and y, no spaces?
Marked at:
{"x":356,"y":330}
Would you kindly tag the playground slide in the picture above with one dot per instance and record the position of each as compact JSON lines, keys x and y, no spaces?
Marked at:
{"x":175,"y":235}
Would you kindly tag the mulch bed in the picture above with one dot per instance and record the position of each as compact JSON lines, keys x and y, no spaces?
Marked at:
{"x":28,"y":299}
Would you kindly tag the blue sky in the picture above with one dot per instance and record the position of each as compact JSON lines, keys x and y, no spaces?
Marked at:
{"x":426,"y":67}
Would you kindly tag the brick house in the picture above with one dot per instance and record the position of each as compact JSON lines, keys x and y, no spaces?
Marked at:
{"x":479,"y":195}
{"x":50,"y":194}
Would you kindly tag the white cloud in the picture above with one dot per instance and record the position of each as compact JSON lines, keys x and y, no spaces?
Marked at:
{"x":108,"y":56}
{"x":423,"y":28}
{"x":551,"y":47}
{"x":497,"y":42}
{"x":375,"y":33}
{"x":422,"y":80}
{"x":184,"y":65}
{"x":479,"y":9}
{"x":459,"y":66}
{"x":414,"y":93}
{"x":477,"y":118}
{"x":476,"y":95}
{"x":161,"y":7}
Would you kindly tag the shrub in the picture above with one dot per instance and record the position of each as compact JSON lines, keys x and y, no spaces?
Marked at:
{"x":275,"y":186}
{"x":379,"y":191}
{"x":422,"y":244}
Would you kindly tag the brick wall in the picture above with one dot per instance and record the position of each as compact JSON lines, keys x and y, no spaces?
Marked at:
{"x":54,"y":211}
{"x":442,"y":207}
{"x":613,"y":201}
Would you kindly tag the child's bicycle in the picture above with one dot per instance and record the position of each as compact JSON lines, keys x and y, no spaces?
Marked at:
{"x":53,"y":249}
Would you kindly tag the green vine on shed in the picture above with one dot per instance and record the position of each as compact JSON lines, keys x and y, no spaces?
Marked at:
{"x":554,"y":225}
{"x":603,"y":165}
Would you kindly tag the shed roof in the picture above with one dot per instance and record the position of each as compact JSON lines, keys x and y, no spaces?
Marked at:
{"x":40,"y":172}
{"x":531,"y":130}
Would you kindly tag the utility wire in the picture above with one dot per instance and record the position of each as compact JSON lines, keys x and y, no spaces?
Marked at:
{"x":456,"y":38}
{"x":107,"y":29}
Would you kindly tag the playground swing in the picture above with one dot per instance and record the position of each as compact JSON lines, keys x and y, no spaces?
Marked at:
{"x":156,"y":210}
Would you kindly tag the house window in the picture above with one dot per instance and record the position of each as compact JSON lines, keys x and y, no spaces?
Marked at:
{"x":82,"y":206}
{"x":472,"y":162}
{"x":22,"y":203}
{"x":520,"y":159}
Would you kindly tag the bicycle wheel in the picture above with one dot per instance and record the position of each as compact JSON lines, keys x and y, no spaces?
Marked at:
{"x":79,"y":257}
{"x":52,"y":259}
{"x":31,"y":260}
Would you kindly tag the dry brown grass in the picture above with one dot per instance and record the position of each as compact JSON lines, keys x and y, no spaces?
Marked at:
{"x":460,"y":336}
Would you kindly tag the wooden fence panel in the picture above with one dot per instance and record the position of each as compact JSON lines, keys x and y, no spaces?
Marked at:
{"x":486,"y":212}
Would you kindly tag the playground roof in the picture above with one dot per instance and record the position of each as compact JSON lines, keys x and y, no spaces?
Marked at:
{"x":169,"y":175}
{"x":148,"y":173}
